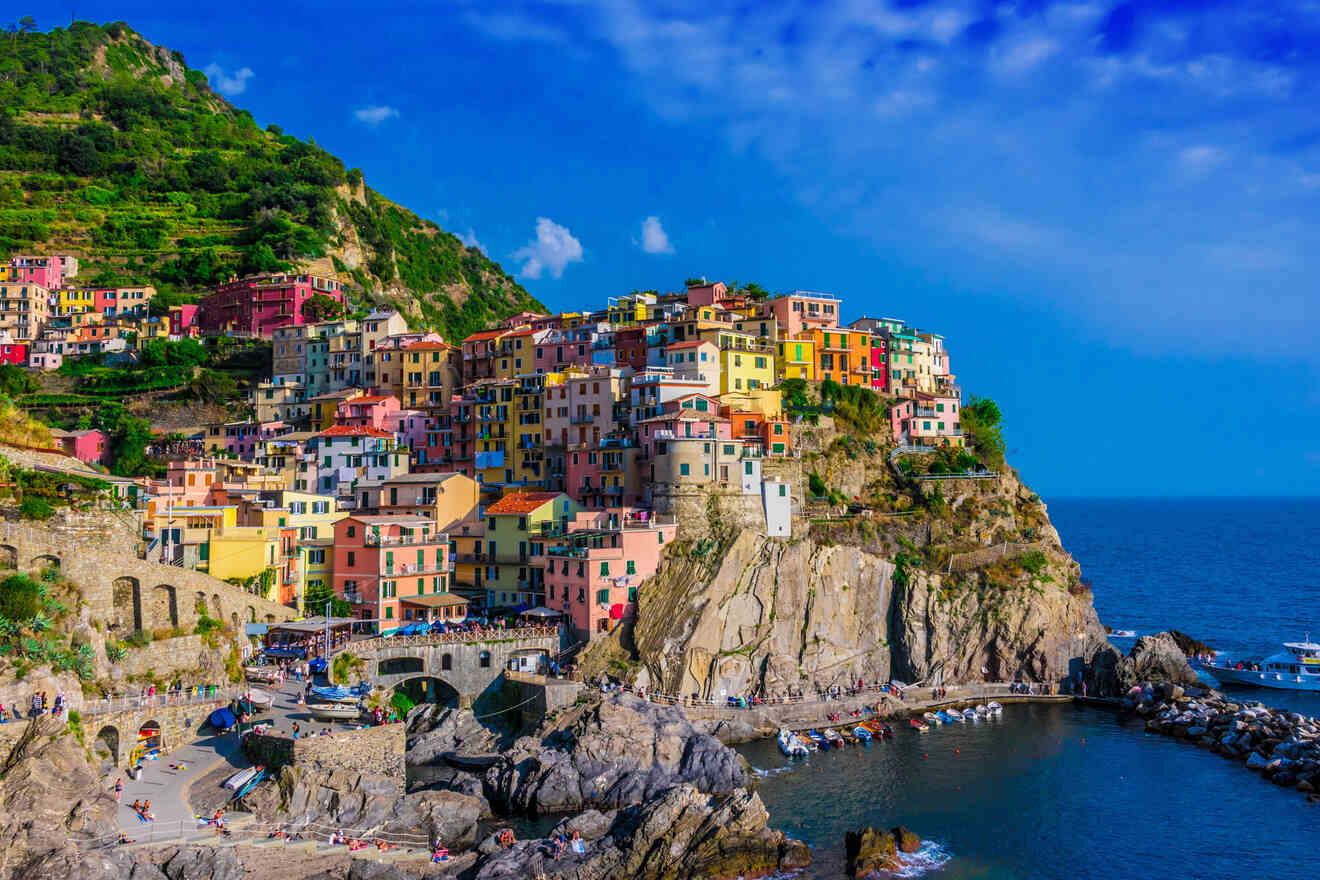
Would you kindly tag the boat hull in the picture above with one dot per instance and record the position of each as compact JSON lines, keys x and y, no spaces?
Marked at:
{"x":1284,"y":681}
{"x":334,"y":712}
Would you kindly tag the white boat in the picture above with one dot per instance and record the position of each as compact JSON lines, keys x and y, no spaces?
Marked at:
{"x":261,"y":700}
{"x":265,"y":674}
{"x":970,"y":715}
{"x":982,"y":710}
{"x":1296,"y":668}
{"x":955,"y":715}
{"x":334,"y":711}
{"x":833,"y":736}
{"x":931,"y":718}
{"x":790,"y":745}
{"x":995,"y":708}
{"x":239,"y":779}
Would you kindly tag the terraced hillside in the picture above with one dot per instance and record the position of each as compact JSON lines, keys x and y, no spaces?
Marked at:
{"x":115,"y":150}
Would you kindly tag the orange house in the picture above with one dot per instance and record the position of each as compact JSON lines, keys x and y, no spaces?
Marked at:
{"x":842,"y":355}
{"x":753,"y":426}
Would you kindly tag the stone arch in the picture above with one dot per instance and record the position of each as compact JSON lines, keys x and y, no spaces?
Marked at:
{"x":429,"y":689}
{"x":446,"y":662}
{"x":270,"y":618}
{"x":484,"y":660}
{"x":147,"y":739}
{"x":8,"y":556}
{"x":233,"y":618}
{"x":217,"y":610}
{"x":251,"y":614}
{"x":108,"y":736}
{"x":399,"y":666}
{"x":46,"y":560}
{"x":126,"y":602}
{"x":164,"y":606}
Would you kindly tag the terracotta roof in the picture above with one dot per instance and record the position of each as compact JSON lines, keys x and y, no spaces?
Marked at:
{"x":354,"y":431}
{"x":428,"y":345}
{"x":690,"y":344}
{"x":520,"y":502}
{"x":485,"y":334}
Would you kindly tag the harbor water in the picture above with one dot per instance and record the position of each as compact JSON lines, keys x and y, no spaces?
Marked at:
{"x":1054,"y":791}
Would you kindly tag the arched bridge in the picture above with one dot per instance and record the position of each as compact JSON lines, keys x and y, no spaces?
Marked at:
{"x":467,"y":662}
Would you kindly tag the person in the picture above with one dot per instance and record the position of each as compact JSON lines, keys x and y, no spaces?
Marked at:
{"x":337,"y":837}
{"x":381,"y":845}
{"x":125,"y":839}
{"x":439,"y":853}
{"x":296,"y":729}
{"x":146,"y":811}
{"x":577,"y":845}
{"x":36,"y":703}
{"x":506,"y":838}
{"x":119,"y":788}
{"x":354,"y":845}
{"x":218,"y":820}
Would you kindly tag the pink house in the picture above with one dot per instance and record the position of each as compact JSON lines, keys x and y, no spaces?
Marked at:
{"x":14,"y":353}
{"x":607,"y":475}
{"x":410,"y":426}
{"x":593,"y":573}
{"x":256,"y":306}
{"x":183,"y":320}
{"x":369,"y":411}
{"x":803,"y":310}
{"x":707,"y":294}
{"x":86,"y":446}
{"x":47,"y":272}
{"x":392,"y":567}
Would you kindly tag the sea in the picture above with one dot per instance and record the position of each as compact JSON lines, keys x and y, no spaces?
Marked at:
{"x":1074,"y":792}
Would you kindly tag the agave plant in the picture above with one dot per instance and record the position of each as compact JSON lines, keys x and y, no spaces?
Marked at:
{"x":39,"y":623}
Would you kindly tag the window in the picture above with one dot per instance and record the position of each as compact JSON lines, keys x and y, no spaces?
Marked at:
{"x":389,"y":613}
{"x":684,"y":470}
{"x":484,"y":660}
{"x":728,"y":449}
{"x":603,"y":597}
{"x":604,"y":569}
{"x":446,"y":662}
{"x":632,"y":567}
{"x":352,"y":558}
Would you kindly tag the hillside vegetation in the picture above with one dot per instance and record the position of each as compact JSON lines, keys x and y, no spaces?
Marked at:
{"x":113,"y":149}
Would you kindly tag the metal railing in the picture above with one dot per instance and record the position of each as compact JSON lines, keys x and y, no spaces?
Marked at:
{"x":481,"y":634}
{"x":190,"y":696}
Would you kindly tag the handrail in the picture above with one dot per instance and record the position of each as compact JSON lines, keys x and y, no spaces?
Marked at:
{"x":466,"y":636}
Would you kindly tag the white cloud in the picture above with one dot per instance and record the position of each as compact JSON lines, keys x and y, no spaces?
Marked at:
{"x":375,"y":115}
{"x":654,"y":238}
{"x":552,"y":250}
{"x":1019,"y":59}
{"x":1201,"y":159}
{"x":228,"y":84}
{"x":469,"y":239}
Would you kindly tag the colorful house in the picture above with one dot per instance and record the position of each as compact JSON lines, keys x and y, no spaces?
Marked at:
{"x":86,"y":446}
{"x":381,"y":561}
{"x":843,"y":356}
{"x":255,"y":306}
{"x":516,"y":528}
{"x":797,"y":359}
{"x":927,"y":420}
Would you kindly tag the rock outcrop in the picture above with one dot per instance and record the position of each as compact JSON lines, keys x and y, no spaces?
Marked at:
{"x":320,"y":800}
{"x":681,"y":834}
{"x":1156,"y":658}
{"x":874,"y":849}
{"x":434,"y":731}
{"x":969,"y":585}
{"x":613,"y":753}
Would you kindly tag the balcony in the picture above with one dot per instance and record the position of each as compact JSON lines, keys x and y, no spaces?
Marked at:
{"x":354,"y":598}
{"x":581,"y":419}
{"x":413,"y":568}
{"x":405,"y":540}
{"x":471,"y":558}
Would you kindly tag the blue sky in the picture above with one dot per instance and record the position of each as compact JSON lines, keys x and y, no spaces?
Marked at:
{"x":1109,"y":210}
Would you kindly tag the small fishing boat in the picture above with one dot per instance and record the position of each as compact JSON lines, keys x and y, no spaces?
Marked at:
{"x":260,"y":700}
{"x":982,"y":711}
{"x":945,"y":717}
{"x":334,"y":711}
{"x":956,"y":715}
{"x":918,"y":724}
{"x":237,"y":781}
{"x":862,"y":733}
{"x":818,"y":738}
{"x":885,"y":730}
{"x":970,"y":715}
{"x":790,"y":745}
{"x":995,"y":708}
{"x":931,"y":718}
{"x":834,"y":737}
{"x":263,"y":674}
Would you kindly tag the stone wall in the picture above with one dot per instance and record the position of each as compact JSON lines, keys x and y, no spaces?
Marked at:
{"x":168,"y":657}
{"x":470,"y":668}
{"x":126,"y":593}
{"x":375,"y":750}
{"x":537,"y":696}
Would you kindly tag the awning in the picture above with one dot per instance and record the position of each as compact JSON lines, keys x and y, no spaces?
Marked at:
{"x":542,"y":612}
{"x":435,"y":600}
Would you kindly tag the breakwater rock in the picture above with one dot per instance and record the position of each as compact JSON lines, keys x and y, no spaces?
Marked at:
{"x":1283,"y":746}
{"x":1156,"y":658}
{"x":681,"y":834}
{"x":611,"y":754}
{"x":875,"y":849}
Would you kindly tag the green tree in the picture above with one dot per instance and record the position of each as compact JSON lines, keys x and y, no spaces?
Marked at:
{"x":20,"y":598}
{"x":317,"y":595}
{"x":14,"y":381}
{"x":319,"y":307}
{"x":694,"y":282}
{"x":127,"y":437}
{"x":982,"y":421}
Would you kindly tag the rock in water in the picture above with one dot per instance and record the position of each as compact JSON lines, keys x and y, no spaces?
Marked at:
{"x":908,"y":842}
{"x":1155,"y":658}
{"x":869,"y":850}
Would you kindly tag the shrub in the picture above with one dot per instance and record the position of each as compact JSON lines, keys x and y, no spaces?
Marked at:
{"x":115,"y":651}
{"x":816,"y":485}
{"x":34,"y":507}
{"x":139,"y":639}
{"x":402,"y":703}
{"x":206,"y":625}
{"x":1033,"y":561}
{"x":20,"y":598}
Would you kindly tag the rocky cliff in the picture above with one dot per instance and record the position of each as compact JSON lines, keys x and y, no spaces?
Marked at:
{"x":914,"y":579}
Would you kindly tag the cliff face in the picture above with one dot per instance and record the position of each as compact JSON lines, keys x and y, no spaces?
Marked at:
{"x":960,"y":580}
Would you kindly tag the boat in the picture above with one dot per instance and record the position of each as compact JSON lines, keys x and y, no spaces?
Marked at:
{"x":1123,"y":634}
{"x":885,"y":730}
{"x":334,"y":711}
{"x":260,"y":700}
{"x":239,"y":779}
{"x":263,"y":674}
{"x":931,"y":718}
{"x":337,"y":694}
{"x":995,"y":707}
{"x":970,"y":715}
{"x":982,"y":710}
{"x":834,"y":737}
{"x":862,"y":733}
{"x":1296,"y":668}
{"x":819,"y":740}
{"x":956,"y":715}
{"x":790,"y":745}
{"x":918,"y":724}
{"x":945,"y":717}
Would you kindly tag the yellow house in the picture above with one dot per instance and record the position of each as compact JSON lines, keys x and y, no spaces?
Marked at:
{"x":516,"y":528}
{"x":516,"y":355}
{"x":316,"y":558}
{"x":766,"y":401}
{"x":322,"y":408}
{"x":314,"y":516}
{"x":247,"y":551}
{"x":746,"y":363}
{"x":797,"y":359}
{"x":467,"y":547}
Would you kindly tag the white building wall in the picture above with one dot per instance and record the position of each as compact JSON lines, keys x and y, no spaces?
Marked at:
{"x":777,"y":500}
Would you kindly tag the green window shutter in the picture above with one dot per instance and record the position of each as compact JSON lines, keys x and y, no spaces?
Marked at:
{"x":632,"y":567}
{"x":683,"y":469}
{"x":389,"y":613}
{"x":632,"y":594}
{"x":603,"y":596}
{"x":421,"y":586}
{"x":661,"y":535}
{"x":747,"y":467}
{"x":604,"y":569}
